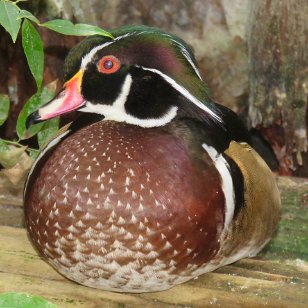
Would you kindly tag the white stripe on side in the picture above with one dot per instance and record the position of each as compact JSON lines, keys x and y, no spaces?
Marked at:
{"x":49,"y":146}
{"x":117,"y":112}
{"x":184,"y":92}
{"x":226,"y":184}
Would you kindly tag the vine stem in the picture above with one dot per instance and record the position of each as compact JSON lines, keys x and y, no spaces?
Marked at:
{"x":16,"y":143}
{"x":19,"y":1}
{"x":13,"y":142}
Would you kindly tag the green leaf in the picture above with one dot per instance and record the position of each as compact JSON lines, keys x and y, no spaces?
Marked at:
{"x":28,"y":15}
{"x":37,"y":100}
{"x":33,"y":48}
{"x":8,"y":18}
{"x":48,"y":131}
{"x":33,"y":153}
{"x":4,"y":108}
{"x":3,"y":146}
{"x":24,"y":300}
{"x":10,"y":157}
{"x":68,"y":28}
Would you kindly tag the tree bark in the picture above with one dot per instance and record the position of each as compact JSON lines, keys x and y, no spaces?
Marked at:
{"x":278,"y":60}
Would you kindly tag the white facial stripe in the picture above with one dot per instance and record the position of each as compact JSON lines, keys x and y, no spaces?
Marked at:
{"x":184,"y":92}
{"x":187,"y":56}
{"x":49,"y":146}
{"x":226,"y":183}
{"x":88,"y":57}
{"x":185,"y":53}
{"x":117,"y":112}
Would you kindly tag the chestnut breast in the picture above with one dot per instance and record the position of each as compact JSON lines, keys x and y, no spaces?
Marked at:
{"x":126,"y":193}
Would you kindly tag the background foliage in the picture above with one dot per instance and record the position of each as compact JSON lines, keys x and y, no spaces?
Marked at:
{"x":14,"y":20}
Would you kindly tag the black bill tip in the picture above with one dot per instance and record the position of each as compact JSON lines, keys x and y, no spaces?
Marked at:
{"x":33,"y":119}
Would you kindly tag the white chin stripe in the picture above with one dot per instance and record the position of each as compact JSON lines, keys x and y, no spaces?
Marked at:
{"x":117,"y":112}
{"x":184,"y":92}
{"x":226,"y":184}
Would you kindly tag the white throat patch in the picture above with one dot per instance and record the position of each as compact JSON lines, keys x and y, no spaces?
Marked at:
{"x":117,"y":112}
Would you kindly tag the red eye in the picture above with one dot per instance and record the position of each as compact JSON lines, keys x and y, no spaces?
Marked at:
{"x":108,"y":65}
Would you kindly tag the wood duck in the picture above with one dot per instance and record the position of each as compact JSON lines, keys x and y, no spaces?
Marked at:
{"x":158,"y":184}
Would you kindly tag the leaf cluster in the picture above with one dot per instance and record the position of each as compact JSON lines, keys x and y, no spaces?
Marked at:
{"x":14,"y":20}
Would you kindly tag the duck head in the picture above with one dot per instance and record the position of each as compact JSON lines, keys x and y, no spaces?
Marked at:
{"x":143,"y":76}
